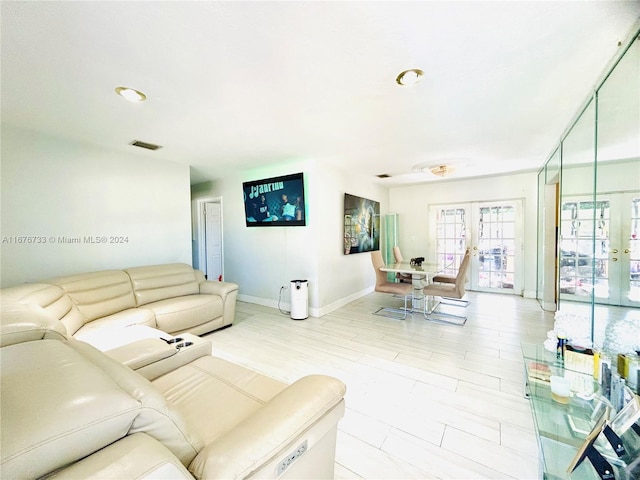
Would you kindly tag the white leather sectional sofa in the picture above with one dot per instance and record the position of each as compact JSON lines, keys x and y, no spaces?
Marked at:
{"x":72,"y":411}
{"x":172,"y":298}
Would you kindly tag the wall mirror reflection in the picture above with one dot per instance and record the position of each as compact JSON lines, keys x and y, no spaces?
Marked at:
{"x":592,"y":185}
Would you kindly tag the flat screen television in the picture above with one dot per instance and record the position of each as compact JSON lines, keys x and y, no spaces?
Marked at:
{"x":275,"y":202}
{"x":361,"y":224}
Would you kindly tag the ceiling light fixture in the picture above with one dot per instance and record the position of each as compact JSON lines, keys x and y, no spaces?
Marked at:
{"x":131,"y":94}
{"x":442,"y":170}
{"x":409,"y":77}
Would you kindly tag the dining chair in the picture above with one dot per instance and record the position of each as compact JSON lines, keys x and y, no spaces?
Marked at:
{"x":450,"y":294}
{"x":445,"y":278}
{"x":401,"y":277}
{"x":396,"y":289}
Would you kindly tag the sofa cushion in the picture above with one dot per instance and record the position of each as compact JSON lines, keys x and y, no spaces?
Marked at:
{"x":50,"y":297}
{"x":159,"y":282}
{"x":98,"y":294}
{"x":182,"y":313}
{"x":24,"y":323}
{"x":211,"y":384}
{"x":103,"y":333}
{"x":44,"y":377}
{"x":136,"y":456}
{"x":155,"y":417}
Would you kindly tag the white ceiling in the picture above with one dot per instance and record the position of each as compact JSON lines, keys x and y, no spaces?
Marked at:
{"x":240,"y":84}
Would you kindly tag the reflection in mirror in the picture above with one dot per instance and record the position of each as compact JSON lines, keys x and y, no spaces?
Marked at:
{"x":618,"y":193}
{"x":619,"y":110}
{"x":599,"y":242}
{"x":577,"y":225}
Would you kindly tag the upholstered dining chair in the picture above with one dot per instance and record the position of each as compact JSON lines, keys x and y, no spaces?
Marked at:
{"x":450,"y":293}
{"x":445,"y":278}
{"x":396,"y":289}
{"x":401,"y":277}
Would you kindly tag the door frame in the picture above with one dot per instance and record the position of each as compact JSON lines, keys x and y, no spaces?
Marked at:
{"x":199,"y":233}
{"x":550,"y":247}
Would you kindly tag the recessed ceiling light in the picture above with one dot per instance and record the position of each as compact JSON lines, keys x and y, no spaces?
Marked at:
{"x":409,"y":77}
{"x":131,"y":94}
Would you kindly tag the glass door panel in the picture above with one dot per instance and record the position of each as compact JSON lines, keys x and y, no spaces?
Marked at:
{"x":577,"y":252}
{"x":451,"y":238}
{"x":633,"y":295}
{"x":496,"y":243}
{"x":599,"y":249}
{"x":624,"y":254}
{"x":493,"y":234}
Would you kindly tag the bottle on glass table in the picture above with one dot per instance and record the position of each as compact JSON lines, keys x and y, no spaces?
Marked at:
{"x":562,"y":343}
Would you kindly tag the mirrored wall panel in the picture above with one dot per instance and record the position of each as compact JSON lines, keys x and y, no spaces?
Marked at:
{"x":597,"y":171}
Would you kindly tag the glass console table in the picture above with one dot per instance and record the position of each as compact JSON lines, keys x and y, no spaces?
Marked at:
{"x":561,"y":428}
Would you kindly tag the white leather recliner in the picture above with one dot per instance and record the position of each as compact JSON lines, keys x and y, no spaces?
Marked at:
{"x":71,"y":411}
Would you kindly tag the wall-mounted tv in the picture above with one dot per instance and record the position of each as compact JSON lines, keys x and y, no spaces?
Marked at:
{"x":361,"y":224}
{"x":275,"y":202}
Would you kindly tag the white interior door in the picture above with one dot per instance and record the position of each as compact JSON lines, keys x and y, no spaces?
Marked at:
{"x":213,"y":240}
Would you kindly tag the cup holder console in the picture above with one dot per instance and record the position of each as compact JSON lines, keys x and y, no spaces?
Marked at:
{"x":178,"y":342}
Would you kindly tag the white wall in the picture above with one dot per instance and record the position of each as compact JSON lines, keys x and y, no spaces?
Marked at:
{"x":53,"y":189}
{"x":261,"y":260}
{"x":412,"y":204}
{"x":343,"y":277}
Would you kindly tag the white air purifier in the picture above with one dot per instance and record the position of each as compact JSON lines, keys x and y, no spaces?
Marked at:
{"x":299,"y":290}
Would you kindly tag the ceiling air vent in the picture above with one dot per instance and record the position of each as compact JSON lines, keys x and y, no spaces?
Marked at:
{"x":148,"y":146}
{"x":383,"y":175}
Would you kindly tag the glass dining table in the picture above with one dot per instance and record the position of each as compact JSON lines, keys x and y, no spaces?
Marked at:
{"x":421,"y":275}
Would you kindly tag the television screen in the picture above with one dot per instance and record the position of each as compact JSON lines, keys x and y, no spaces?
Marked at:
{"x":277,"y":201}
{"x":361,"y":224}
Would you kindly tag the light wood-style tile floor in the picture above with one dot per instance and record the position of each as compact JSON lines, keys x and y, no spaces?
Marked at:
{"x":424,"y":400}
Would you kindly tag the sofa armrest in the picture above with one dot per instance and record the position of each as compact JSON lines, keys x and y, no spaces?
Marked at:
{"x":194,"y":348}
{"x":218,"y":288}
{"x":268,"y":436}
{"x":141,"y":353}
{"x":228,"y":292}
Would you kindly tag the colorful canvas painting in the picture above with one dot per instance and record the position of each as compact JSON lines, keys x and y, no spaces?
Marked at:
{"x":361,"y":224}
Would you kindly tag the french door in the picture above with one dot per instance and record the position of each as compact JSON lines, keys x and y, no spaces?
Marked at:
{"x":600,"y":249}
{"x":493,"y":232}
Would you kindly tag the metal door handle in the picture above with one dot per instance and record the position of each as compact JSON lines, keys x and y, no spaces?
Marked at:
{"x":626,"y":250}
{"x":615,"y":250}
{"x":614,"y":259}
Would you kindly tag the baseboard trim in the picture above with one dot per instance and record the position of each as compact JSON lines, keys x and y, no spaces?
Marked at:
{"x":343,"y":301}
{"x":313,"y":312}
